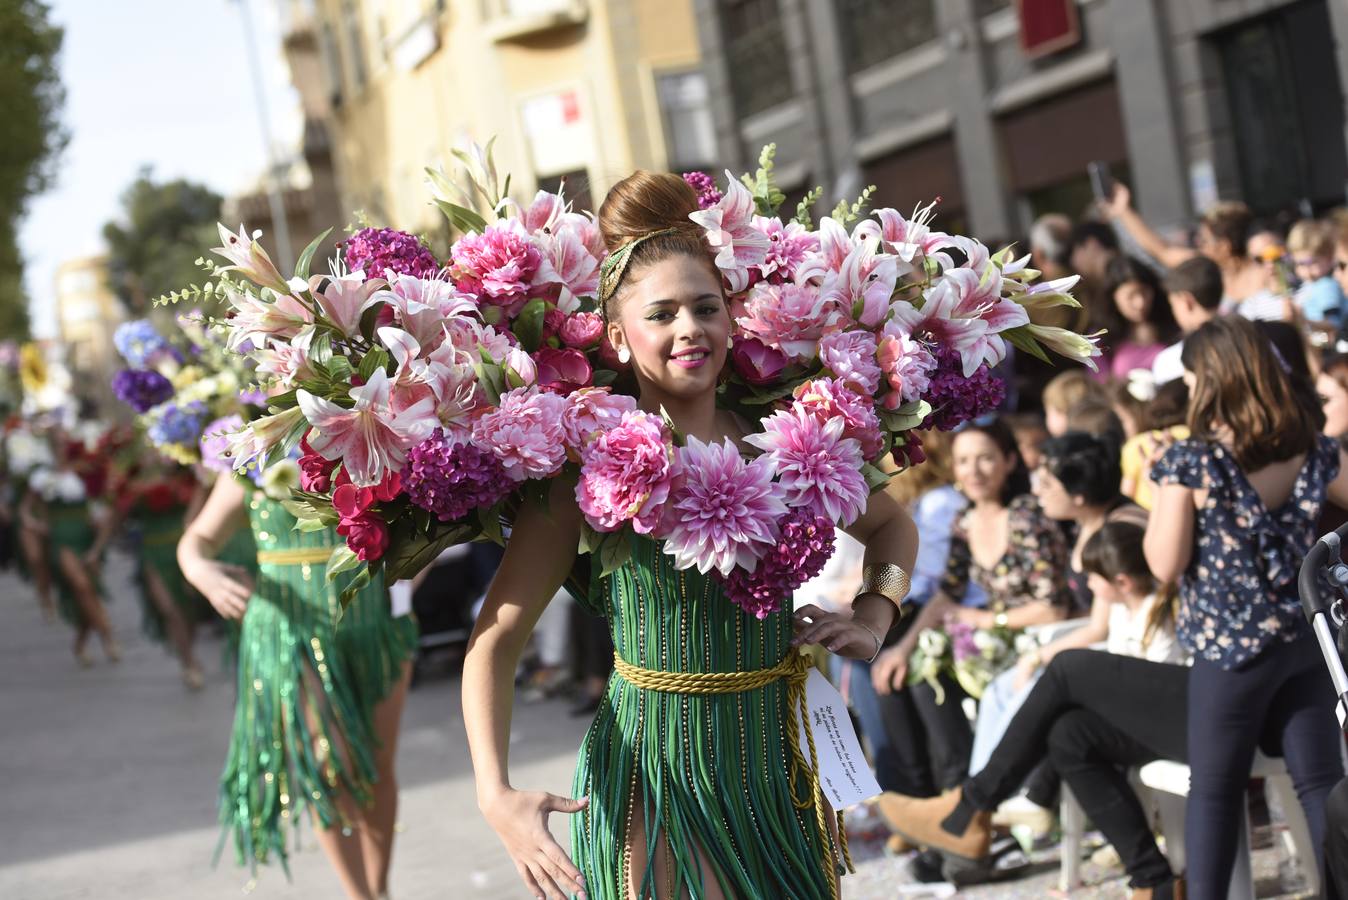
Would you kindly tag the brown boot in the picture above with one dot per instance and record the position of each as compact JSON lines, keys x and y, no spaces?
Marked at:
{"x":919,"y":820}
{"x":1172,"y":890}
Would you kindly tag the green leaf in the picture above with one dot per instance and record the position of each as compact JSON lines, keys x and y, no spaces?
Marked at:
{"x":339,"y":368}
{"x":764,"y":397}
{"x":490,"y":520}
{"x":320,"y":349}
{"x":614,"y":551}
{"x":462,"y":218}
{"x":491,"y":378}
{"x":358,"y":583}
{"x":408,"y":557}
{"x":306,"y":526}
{"x":377,"y":358}
{"x":876,"y":479}
{"x":306,"y":257}
{"x":282,"y":402}
{"x":1024,"y":341}
{"x":343,"y":559}
{"x":906,"y":417}
{"x":604,"y":377}
{"x":368,"y":320}
{"x":528,"y":327}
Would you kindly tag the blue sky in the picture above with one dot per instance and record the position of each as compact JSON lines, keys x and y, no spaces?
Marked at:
{"x":158,"y":82}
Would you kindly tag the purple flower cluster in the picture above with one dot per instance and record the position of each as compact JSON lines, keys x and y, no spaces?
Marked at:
{"x":805,"y":544}
{"x":956,"y":398}
{"x":141,"y":389}
{"x":962,"y":644}
{"x":376,"y":249}
{"x":707,"y":194}
{"x":451,"y":480}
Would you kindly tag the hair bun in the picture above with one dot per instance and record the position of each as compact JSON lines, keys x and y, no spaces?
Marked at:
{"x":645,"y":202}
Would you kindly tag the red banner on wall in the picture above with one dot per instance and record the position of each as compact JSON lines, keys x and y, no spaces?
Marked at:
{"x":1047,"y":26}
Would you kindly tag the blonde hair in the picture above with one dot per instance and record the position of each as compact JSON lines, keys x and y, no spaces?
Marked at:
{"x":1311,"y":237}
{"x":1070,"y":388}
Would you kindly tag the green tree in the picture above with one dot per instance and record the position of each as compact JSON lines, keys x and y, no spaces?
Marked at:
{"x":163,"y":229}
{"x":31,"y":136}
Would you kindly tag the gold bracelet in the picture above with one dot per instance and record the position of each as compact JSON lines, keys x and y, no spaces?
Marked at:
{"x":887,"y":580}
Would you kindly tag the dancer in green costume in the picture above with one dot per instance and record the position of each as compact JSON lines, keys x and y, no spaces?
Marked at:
{"x":688,"y":785}
{"x":56,"y":510}
{"x":320,"y":691}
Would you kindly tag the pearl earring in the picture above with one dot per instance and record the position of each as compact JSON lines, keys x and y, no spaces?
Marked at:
{"x":624,"y":355}
{"x":730,"y":342}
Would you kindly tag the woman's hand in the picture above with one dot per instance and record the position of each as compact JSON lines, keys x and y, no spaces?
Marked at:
{"x":981,"y":619}
{"x":1119,"y":202}
{"x":889,"y":672}
{"x":520,"y":820}
{"x":838,"y":632}
{"x":225,"y":585}
{"x":93,"y":558}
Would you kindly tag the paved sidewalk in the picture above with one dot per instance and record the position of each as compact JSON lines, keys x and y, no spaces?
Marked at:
{"x":108,"y":778}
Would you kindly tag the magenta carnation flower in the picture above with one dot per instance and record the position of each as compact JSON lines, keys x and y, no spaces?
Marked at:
{"x":907,"y":366}
{"x":497,"y":265}
{"x":625,"y":475}
{"x":591,"y":410}
{"x":525,"y":433}
{"x":805,"y":545}
{"x":825,"y":398}
{"x":722,"y":511}
{"x":788,"y":247}
{"x":707,"y":194}
{"x":376,"y":250}
{"x":452,"y":479}
{"x":817,"y":467}
{"x":850,"y":355}
{"x":790,"y":317}
{"x":956,"y":398}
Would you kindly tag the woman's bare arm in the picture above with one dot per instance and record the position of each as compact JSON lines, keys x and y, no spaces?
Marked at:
{"x":226,"y":586}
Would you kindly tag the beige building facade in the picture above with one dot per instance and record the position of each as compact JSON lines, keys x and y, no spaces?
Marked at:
{"x":576,"y":92}
{"x":87,"y":314}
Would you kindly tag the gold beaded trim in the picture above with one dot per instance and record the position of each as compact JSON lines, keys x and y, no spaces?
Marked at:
{"x":296,"y":557}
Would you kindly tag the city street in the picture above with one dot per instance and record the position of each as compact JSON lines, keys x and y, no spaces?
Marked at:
{"x":109,"y":781}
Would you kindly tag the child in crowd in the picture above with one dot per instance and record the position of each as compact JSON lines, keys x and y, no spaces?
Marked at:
{"x":1030,"y":436}
{"x":1158,"y":424}
{"x":1138,"y":321}
{"x":1095,"y":415}
{"x":1194,"y":289}
{"x":1235,"y":512}
{"x":1064,"y":392}
{"x":1320,"y":299}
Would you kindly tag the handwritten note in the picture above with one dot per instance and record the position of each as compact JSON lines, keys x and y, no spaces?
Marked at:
{"x":400,"y":598}
{"x":843,"y":772}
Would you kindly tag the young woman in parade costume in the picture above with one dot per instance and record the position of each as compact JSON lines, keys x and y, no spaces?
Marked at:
{"x":156,"y":500}
{"x":55,"y":508}
{"x":320,"y":702}
{"x":686,"y":784}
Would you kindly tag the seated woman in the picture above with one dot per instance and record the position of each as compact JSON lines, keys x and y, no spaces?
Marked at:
{"x":1090,"y":714}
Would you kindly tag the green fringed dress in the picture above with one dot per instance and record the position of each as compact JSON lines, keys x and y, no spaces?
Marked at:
{"x":70,"y":527}
{"x":239,"y":550}
{"x":158,"y":553}
{"x":712,"y":773}
{"x":308,"y":685}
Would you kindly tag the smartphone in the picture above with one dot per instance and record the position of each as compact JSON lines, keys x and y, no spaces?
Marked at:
{"x":1102,"y":183}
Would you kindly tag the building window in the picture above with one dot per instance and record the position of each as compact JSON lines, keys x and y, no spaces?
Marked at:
{"x":755,"y":50}
{"x":988,"y":7}
{"x":876,"y":30}
{"x":685,"y":109}
{"x":356,"y":43}
{"x":332,"y":62}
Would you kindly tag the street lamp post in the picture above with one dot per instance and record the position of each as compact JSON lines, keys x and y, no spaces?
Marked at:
{"x":275,"y":198}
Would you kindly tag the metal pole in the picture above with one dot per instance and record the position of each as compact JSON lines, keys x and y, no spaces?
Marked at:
{"x":275,"y":200}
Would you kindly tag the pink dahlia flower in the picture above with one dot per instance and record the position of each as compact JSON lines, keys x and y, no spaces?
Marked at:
{"x":498,"y":266}
{"x":826,"y":398}
{"x":805,"y":545}
{"x":850,"y":355}
{"x":817,"y":467}
{"x":723,"y":511}
{"x":525,"y":433}
{"x":908,"y":367}
{"x":591,"y":410}
{"x":789,"y":246}
{"x":625,"y":474}
{"x":790,"y":318}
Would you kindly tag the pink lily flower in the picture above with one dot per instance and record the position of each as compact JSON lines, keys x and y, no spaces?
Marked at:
{"x":835,"y":245}
{"x":422,"y":305}
{"x":344,"y":298}
{"x":258,"y":321}
{"x":568,"y":264}
{"x":370,"y":439}
{"x":966,"y":312}
{"x":731,"y":233}
{"x":865,"y":283}
{"x":249,"y":258}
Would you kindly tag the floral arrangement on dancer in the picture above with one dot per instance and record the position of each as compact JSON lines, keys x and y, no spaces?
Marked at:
{"x":428,"y":397}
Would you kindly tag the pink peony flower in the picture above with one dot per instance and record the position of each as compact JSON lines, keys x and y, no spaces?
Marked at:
{"x":907,"y":364}
{"x":732,"y":235}
{"x":625,"y":475}
{"x":562,"y":371}
{"x":366,"y":535}
{"x":850,"y":355}
{"x":722,"y":511}
{"x":756,"y":362}
{"x":805,"y":545}
{"x":497,"y":265}
{"x":582,"y":331}
{"x":525,"y":433}
{"x":817,"y":467}
{"x":826,"y":398}
{"x":788,"y":247}
{"x":370,"y":439}
{"x":790,"y":318}
{"x":591,"y":410}
{"x":520,"y":368}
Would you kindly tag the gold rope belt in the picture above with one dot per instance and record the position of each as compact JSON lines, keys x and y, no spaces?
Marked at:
{"x":795,"y":668}
{"x":296,"y":557}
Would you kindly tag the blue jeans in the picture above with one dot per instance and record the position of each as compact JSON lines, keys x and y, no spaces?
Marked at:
{"x":1281,"y":702}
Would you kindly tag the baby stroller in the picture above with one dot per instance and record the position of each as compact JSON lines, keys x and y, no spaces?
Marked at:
{"x":1325,"y":611}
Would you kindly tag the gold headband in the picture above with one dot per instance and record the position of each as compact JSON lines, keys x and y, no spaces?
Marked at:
{"x":614,"y":266}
